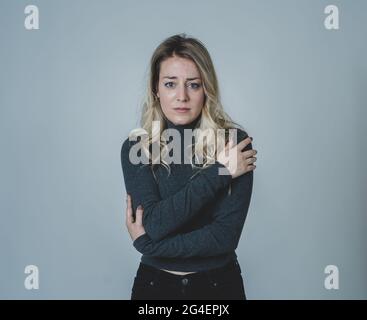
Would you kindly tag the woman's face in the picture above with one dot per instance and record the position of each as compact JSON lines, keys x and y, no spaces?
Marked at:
{"x":180,"y":86}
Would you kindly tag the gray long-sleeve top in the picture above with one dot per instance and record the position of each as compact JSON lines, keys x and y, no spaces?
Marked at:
{"x":191,"y":222}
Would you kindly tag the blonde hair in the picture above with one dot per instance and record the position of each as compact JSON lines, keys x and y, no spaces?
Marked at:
{"x":213,"y":117}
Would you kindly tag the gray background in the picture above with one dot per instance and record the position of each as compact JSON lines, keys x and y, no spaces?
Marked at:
{"x":70,"y":94}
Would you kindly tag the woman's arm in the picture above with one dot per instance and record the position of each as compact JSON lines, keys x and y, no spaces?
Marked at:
{"x":219,"y":237}
{"x":164,"y":216}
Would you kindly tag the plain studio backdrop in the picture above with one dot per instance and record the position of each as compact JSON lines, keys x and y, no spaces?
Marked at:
{"x":70,"y":94}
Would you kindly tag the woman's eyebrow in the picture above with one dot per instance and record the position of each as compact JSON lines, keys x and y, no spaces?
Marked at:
{"x":188,"y":79}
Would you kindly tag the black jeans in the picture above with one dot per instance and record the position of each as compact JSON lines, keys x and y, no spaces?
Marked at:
{"x":222,"y":283}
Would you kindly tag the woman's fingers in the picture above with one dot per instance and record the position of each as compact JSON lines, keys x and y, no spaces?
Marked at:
{"x":241,"y":145}
{"x":251,"y":160}
{"x":228,"y":145}
{"x":129,"y":210}
{"x":249,"y":153}
{"x":139,"y":215}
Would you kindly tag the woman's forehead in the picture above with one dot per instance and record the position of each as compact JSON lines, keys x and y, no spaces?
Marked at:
{"x":179,"y":68}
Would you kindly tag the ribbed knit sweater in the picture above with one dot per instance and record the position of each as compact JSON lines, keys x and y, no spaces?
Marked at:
{"x":191,"y":221}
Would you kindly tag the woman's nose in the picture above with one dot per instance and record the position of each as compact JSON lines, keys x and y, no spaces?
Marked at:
{"x":182,"y":93}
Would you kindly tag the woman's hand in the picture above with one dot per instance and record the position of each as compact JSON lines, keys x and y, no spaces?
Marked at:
{"x":237,"y":162}
{"x":135,"y":228}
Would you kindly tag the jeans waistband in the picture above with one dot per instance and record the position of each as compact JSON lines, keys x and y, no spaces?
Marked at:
{"x":200,"y":275}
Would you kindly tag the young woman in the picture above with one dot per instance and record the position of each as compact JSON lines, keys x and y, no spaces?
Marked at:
{"x":186,"y":216}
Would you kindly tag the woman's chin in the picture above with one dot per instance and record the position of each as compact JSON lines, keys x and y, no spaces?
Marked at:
{"x":182,"y":119}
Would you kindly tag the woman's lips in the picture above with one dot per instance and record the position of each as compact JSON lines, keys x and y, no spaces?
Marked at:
{"x":182,"y":110}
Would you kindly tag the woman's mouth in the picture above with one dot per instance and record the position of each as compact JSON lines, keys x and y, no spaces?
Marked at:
{"x":182,"y":110}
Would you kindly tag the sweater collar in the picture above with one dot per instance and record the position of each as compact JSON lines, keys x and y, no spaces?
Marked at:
{"x":184,"y":142}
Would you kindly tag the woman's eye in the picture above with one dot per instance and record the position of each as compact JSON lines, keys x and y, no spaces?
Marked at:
{"x":168,"y":84}
{"x":195,"y":85}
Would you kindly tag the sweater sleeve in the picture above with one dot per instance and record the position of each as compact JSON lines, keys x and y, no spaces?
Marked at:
{"x":163,"y":216}
{"x":221,"y":236}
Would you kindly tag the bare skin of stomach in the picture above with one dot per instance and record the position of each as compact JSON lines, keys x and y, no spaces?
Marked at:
{"x":178,"y":272}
